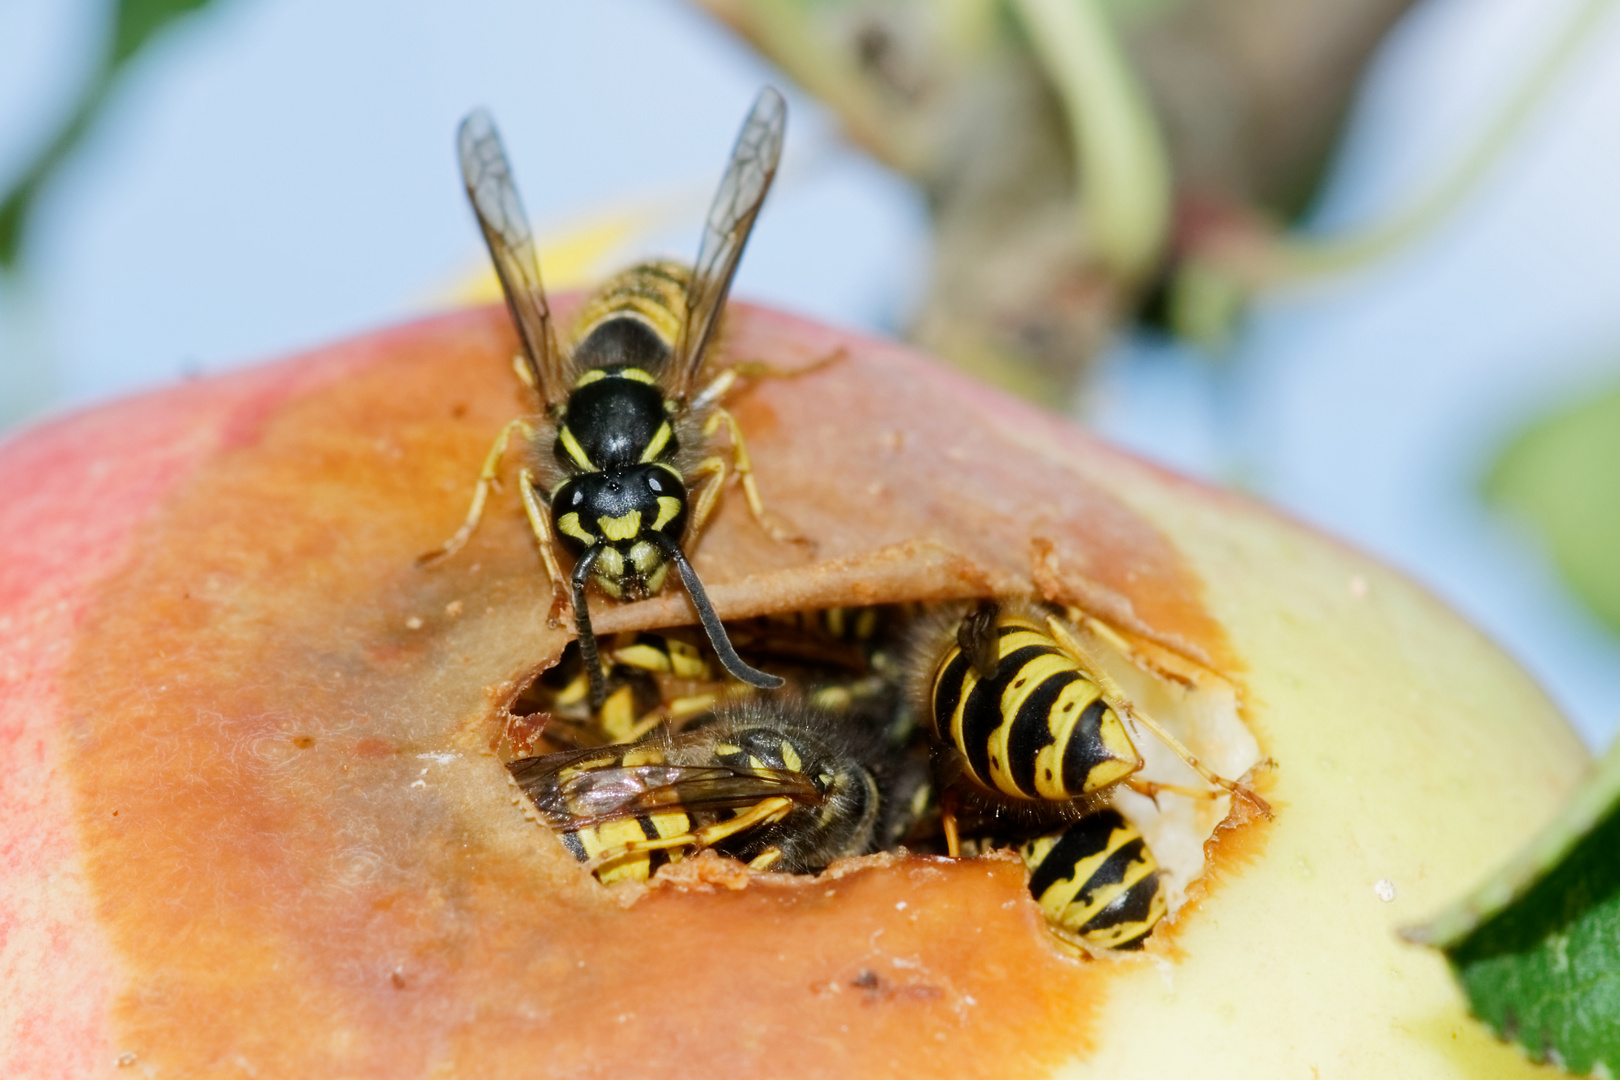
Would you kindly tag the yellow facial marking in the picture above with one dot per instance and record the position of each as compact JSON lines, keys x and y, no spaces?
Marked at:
{"x":609,"y":566}
{"x":673,"y":471}
{"x":624,"y":527}
{"x":668,"y":507}
{"x":656,"y":444}
{"x":575,"y":452}
{"x":569,"y":525}
{"x":790,"y":756}
{"x":644,"y":557}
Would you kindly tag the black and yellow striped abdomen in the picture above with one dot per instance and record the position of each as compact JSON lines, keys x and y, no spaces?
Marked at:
{"x":603,"y":840}
{"x":589,"y":843}
{"x":652,"y":293}
{"x":1097,"y":880}
{"x":1036,"y":729}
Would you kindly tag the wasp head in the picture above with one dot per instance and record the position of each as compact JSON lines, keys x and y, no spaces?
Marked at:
{"x":618,"y":511}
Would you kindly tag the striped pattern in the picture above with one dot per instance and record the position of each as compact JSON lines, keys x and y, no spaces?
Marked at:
{"x":587,"y":844}
{"x":1039,"y":728}
{"x":1097,"y":880}
{"x":652,"y":292}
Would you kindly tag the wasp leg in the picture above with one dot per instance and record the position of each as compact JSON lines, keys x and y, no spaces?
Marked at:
{"x":721,"y":384}
{"x":548,"y":553}
{"x":744,"y":468}
{"x":947,"y":822}
{"x":706,"y":480}
{"x":520,"y":367}
{"x":764,"y":812}
{"x":1073,"y":944}
{"x":676,"y":712}
{"x":1124,"y":706}
{"x":766,"y":859}
{"x":486,"y":480}
{"x":1152,"y":788}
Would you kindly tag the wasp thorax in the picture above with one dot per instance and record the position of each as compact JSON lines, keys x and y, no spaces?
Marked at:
{"x":615,"y":418}
{"x":844,"y":822}
{"x":619,"y":511}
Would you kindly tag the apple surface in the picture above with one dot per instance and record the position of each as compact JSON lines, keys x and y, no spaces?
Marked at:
{"x":256,"y":820}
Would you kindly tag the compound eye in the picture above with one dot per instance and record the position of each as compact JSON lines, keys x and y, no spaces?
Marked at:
{"x":652,"y":482}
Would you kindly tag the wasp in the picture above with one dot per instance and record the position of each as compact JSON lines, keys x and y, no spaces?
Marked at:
{"x":1023,"y":713}
{"x":837,"y":659}
{"x":1093,"y":876}
{"x":618,"y":475}
{"x":1097,"y":881}
{"x":774,"y":782}
{"x":651,"y":678}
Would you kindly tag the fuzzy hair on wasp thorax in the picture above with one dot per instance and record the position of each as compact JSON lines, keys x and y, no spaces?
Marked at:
{"x":619,"y":472}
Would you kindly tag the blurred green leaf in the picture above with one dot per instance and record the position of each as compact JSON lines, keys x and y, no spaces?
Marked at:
{"x":1562,"y":475}
{"x":1537,"y":948}
{"x":135,"y":23}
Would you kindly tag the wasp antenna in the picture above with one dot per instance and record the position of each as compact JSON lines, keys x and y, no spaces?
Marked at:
{"x":1125,"y":707}
{"x":711,"y":622}
{"x":582,"y":625}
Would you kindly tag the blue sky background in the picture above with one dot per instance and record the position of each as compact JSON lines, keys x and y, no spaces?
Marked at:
{"x":278,"y":174}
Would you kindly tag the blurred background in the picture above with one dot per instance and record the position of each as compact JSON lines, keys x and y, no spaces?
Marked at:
{"x":1358,"y":257}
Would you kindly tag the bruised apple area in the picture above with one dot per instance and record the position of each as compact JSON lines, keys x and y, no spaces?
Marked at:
{"x":303,"y":852}
{"x":313,"y":834}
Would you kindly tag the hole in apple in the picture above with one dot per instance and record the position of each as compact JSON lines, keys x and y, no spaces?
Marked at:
{"x":664,"y":683}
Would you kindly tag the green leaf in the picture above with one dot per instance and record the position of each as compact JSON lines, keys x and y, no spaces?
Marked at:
{"x":1562,"y":476}
{"x":135,"y":24}
{"x":1537,"y":947}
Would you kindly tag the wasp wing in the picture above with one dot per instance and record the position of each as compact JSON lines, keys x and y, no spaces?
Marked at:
{"x":571,"y":795}
{"x":731,"y":218}
{"x":494,"y":197}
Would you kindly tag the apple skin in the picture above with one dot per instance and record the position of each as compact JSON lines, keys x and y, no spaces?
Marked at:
{"x":170,"y":904}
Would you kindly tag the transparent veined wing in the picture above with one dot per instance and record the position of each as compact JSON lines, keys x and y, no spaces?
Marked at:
{"x":736,"y":204}
{"x":488,"y":176}
{"x":580,"y":789}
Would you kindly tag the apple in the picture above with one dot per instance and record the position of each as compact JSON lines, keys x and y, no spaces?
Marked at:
{"x":257,"y":822}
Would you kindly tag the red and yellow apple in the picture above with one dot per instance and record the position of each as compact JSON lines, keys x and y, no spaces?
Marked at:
{"x":254,"y":822}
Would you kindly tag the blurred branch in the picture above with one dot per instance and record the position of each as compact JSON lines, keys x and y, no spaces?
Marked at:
{"x":1121,"y":162}
{"x":1251,"y":256}
{"x":1064,"y":146}
{"x":135,"y":24}
{"x":784,"y":31}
